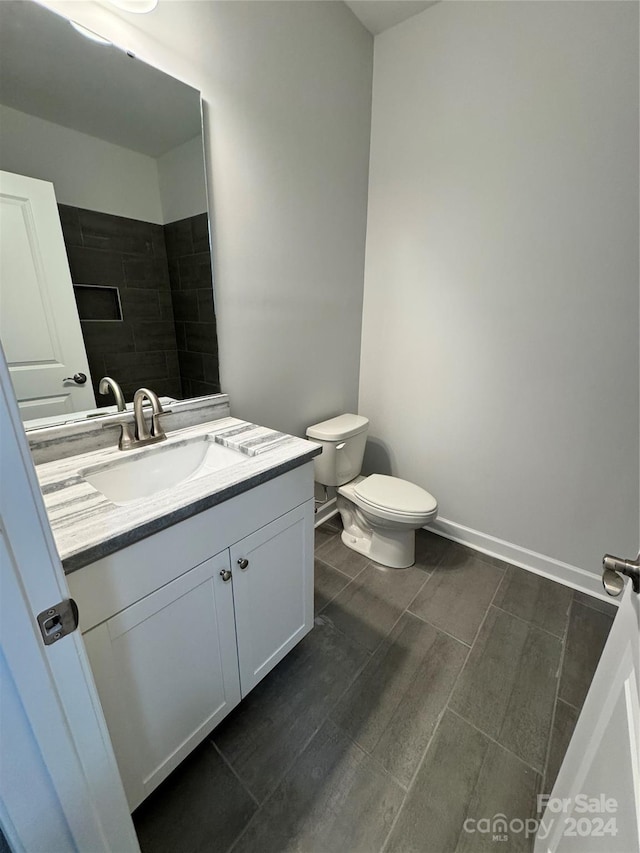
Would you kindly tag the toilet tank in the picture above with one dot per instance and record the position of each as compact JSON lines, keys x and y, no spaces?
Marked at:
{"x":343,"y":441}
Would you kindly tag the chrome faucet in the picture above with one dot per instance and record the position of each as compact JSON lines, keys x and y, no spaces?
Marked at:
{"x":143,"y":435}
{"x":127,"y":435}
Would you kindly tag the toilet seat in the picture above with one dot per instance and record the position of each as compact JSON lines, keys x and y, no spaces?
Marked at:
{"x":384,"y":534}
{"x":393,"y":497}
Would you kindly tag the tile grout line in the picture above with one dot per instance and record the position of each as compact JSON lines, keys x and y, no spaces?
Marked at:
{"x":502,"y":580}
{"x":594,"y":607}
{"x":368,"y":752}
{"x":448,"y":705}
{"x":429,"y":574}
{"x":422,"y":759}
{"x":536,"y":770}
{"x":557,"y":696}
{"x":327,"y":717}
{"x":486,"y":613}
{"x":336,"y":569}
{"x":393,"y":627}
{"x":445,"y":708}
{"x":563,"y":640}
{"x":358,"y":672}
{"x":301,"y":750}
{"x":436,"y":628}
{"x":350,"y":580}
{"x":500,"y":746}
{"x":570,"y":704}
{"x":233,"y":770}
{"x":529,"y":622}
{"x":540,"y":772}
{"x":340,"y":572}
{"x":390,"y":631}
{"x":405,"y":612}
{"x":490,"y":604}
{"x":504,"y":568}
{"x":356,"y":675}
{"x":436,"y":727}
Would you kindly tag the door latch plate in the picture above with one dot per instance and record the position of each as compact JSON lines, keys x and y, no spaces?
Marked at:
{"x":58,"y":621}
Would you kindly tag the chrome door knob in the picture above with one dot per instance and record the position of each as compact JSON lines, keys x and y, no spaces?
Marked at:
{"x":612,"y":582}
{"x":78,"y":378}
{"x":225,"y":574}
{"x":243,"y":563}
{"x":613,"y":567}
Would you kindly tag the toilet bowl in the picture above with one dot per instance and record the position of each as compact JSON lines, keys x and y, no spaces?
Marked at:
{"x":380,"y":514}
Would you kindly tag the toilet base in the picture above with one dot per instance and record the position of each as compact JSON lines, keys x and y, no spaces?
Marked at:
{"x":381,"y":549}
{"x":392,"y":548}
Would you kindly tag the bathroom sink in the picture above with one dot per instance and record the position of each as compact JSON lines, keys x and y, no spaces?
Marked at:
{"x":159,"y":468}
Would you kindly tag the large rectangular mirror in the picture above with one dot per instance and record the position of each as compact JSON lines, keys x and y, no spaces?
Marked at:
{"x":104,"y":229}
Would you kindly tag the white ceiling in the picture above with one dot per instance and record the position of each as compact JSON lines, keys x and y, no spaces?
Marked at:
{"x":49,"y":70}
{"x":379,"y":15}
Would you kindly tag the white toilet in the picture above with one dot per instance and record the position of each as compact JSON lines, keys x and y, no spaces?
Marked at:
{"x":380,"y":514}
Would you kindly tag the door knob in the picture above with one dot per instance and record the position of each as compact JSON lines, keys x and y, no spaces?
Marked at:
{"x":78,"y":378}
{"x":243,"y":563}
{"x":225,"y":574}
{"x":613,"y":567}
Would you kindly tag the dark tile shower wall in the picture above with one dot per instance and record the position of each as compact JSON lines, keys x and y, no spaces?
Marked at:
{"x":130,"y":255}
{"x":189,"y":258}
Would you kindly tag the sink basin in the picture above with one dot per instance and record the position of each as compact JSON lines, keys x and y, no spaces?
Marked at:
{"x":158,"y":469}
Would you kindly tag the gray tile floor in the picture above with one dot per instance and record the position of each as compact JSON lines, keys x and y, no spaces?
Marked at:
{"x":421,"y":698}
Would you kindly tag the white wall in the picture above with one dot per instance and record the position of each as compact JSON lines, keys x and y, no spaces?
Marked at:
{"x":86,"y":172}
{"x":287,"y":91}
{"x":500,"y":340}
{"x":181,"y":175}
{"x":97,"y":175}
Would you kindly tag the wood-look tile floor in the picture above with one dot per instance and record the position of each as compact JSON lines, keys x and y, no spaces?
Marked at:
{"x":422,"y":697}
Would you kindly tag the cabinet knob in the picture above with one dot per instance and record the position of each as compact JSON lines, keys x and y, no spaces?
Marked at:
{"x":243,"y":563}
{"x":225,"y":574}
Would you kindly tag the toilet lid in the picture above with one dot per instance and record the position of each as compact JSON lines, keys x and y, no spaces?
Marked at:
{"x":395,"y":494}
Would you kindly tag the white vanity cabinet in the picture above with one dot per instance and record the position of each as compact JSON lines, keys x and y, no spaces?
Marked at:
{"x":176,"y":637}
{"x":166,"y":670}
{"x":273,"y":604}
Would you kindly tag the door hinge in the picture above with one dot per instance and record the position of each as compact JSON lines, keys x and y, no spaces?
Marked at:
{"x":58,"y":620}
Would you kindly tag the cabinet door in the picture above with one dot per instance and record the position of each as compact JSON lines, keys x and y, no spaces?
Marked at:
{"x":273,"y":593}
{"x":166,"y":669}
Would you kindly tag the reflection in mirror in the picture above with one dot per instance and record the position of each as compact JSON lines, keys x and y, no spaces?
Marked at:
{"x":104,"y":232}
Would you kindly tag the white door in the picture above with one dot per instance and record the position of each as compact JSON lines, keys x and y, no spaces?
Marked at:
{"x":39,"y":326}
{"x":273,"y":592}
{"x":59,"y":783}
{"x":167,"y":673}
{"x":595,"y":802}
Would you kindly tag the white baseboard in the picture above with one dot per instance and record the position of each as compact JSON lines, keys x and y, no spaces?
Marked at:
{"x":587,"y":582}
{"x":325,"y":511}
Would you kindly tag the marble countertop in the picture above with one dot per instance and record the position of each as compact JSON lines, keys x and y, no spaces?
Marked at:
{"x":86,"y":526}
